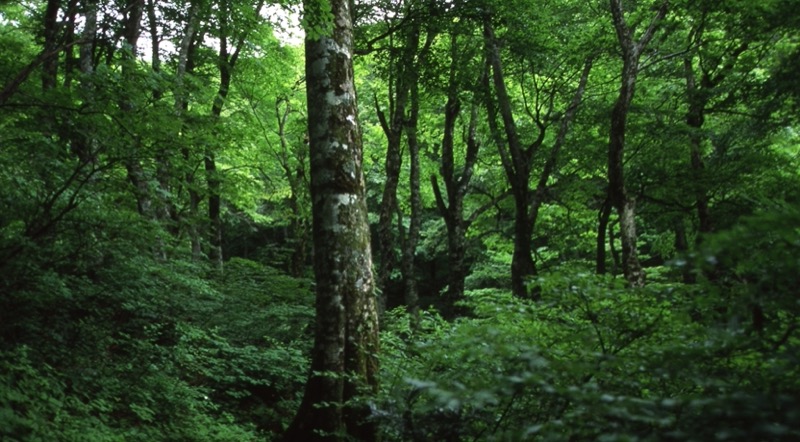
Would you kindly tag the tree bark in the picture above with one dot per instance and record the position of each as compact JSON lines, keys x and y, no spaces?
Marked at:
{"x":516,"y":160}
{"x":50,"y":64}
{"x":699,"y":92}
{"x":411,"y":296}
{"x":602,"y":226}
{"x":185,"y":65}
{"x":452,"y":210}
{"x":408,"y":267}
{"x":695,"y":118}
{"x":226,"y":62}
{"x":400,"y":84}
{"x":295,"y":175}
{"x":132,"y":11}
{"x":617,"y":193}
{"x":344,"y":359}
{"x":69,"y":36}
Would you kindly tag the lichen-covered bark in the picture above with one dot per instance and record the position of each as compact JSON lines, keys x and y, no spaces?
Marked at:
{"x":344,"y":358}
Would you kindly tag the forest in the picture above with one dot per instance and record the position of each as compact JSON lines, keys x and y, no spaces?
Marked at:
{"x":399,"y":220}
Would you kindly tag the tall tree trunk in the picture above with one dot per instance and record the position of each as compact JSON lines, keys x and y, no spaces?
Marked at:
{"x":602,"y":226}
{"x":393,"y":128}
{"x":695,"y":118}
{"x":226,"y":62}
{"x":617,"y":193}
{"x":540,"y":193}
{"x":699,"y":90}
{"x":86,"y":51}
{"x":410,"y":291}
{"x":682,"y":250}
{"x":132,"y":12}
{"x":185,"y":65}
{"x":155,"y":41}
{"x":225,"y":65}
{"x":410,"y":247}
{"x":522,"y":265}
{"x":344,"y":359}
{"x":400,"y":84}
{"x":50,"y":64}
{"x":516,"y":160}
{"x":69,"y":37}
{"x":452,"y":211}
{"x":295,"y":175}
{"x":82,"y":145}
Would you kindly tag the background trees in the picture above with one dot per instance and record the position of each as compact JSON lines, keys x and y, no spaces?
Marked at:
{"x":147,"y":145}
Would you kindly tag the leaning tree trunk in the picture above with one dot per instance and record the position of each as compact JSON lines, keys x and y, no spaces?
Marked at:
{"x":344,"y":357}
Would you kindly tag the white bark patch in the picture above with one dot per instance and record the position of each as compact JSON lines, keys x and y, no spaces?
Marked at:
{"x":335,"y":145}
{"x":319,"y":69}
{"x":337,"y":100}
{"x":351,"y":119}
{"x":332,"y":209}
{"x":332,"y":46}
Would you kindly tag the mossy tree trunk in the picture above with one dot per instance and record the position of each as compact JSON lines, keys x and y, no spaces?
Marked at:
{"x":344,"y":359}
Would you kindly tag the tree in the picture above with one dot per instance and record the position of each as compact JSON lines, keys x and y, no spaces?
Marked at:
{"x":402,"y":76}
{"x":456,"y":184}
{"x":346,"y":341}
{"x":617,"y":193}
{"x":518,"y":157}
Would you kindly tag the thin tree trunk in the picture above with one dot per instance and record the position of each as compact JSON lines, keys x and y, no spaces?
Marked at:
{"x":155,"y":41}
{"x":400,"y":85}
{"x":516,"y":160}
{"x":452,"y":211}
{"x":82,"y":145}
{"x":136,"y":174}
{"x":602,"y":226}
{"x":69,"y":36}
{"x":615,"y":261}
{"x":385,"y":233}
{"x":87,"y":44}
{"x":226,"y":63}
{"x":695,"y":118}
{"x":682,"y":250}
{"x":296,"y":177}
{"x":50,"y":64}
{"x":411,"y":295}
{"x":409,"y":253}
{"x":617,"y":193}
{"x":185,"y":64}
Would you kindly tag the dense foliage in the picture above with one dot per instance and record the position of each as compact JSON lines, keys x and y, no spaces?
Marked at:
{"x":155,"y":219}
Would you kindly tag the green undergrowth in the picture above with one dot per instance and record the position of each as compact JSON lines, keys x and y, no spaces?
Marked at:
{"x":148,"y":351}
{"x":591,"y":361}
